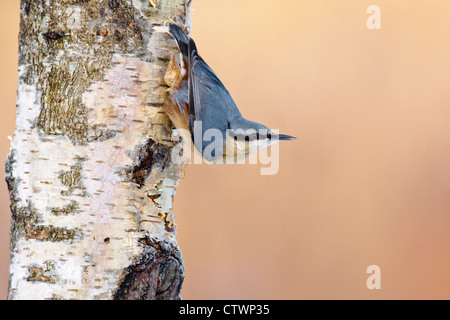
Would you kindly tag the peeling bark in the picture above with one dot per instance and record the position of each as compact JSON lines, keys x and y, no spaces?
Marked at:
{"x":90,"y":175}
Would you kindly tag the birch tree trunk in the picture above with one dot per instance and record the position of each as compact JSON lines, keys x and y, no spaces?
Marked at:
{"x":90,"y":174}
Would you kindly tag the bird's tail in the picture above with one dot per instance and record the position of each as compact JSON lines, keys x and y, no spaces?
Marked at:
{"x":181,"y":38}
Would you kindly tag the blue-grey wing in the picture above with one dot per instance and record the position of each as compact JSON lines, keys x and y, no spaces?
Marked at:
{"x":210,"y":104}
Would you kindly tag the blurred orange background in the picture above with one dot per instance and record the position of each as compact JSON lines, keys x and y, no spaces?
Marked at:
{"x":368,"y":180}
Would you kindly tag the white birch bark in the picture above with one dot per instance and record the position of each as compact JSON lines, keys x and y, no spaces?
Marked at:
{"x":90,"y":174}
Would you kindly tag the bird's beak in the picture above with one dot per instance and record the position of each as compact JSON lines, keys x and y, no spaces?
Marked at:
{"x":283,"y":137}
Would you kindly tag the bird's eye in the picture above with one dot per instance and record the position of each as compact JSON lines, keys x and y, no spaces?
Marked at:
{"x":269,"y":136}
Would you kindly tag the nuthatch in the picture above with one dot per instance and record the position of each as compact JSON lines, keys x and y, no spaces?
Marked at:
{"x":204,"y":113}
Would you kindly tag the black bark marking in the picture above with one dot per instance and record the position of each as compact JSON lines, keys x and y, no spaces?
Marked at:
{"x":113,"y":4}
{"x":9,"y":177}
{"x":26,"y":6}
{"x":158,"y":275}
{"x":149,"y":155}
{"x":53,"y":35}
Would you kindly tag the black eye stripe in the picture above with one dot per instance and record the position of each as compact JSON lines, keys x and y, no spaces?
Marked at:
{"x":251,"y":135}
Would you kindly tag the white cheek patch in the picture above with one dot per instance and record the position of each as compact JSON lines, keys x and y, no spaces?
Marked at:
{"x":183,"y":66}
{"x":240,"y":145}
{"x":253,"y":146}
{"x":265,"y":143}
